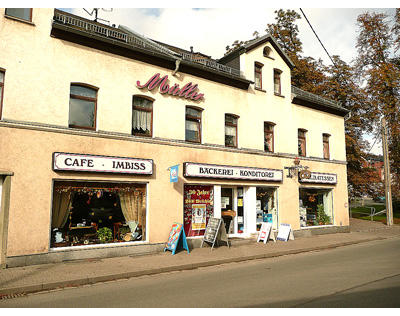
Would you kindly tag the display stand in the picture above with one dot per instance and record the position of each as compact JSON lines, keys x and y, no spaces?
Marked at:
{"x":285,"y":232}
{"x":266,"y":233}
{"x":215,"y":231}
{"x":176,"y":239}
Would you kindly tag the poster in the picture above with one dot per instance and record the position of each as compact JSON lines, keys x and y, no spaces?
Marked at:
{"x":224,"y":201}
{"x":258,"y":205}
{"x":240,"y":202}
{"x":197,"y":198}
{"x":198,"y":216}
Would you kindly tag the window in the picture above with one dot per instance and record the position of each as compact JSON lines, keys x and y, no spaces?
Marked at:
{"x":82,"y":106}
{"x":89,"y":213}
{"x":315,"y":207}
{"x":142,"y":116}
{"x":1,"y":90}
{"x":230,"y":130}
{"x":20,"y":13}
{"x":193,"y":125}
{"x":277,"y":81}
{"x":325,"y":142}
{"x":302,"y":142}
{"x":258,"y":75}
{"x":267,"y":52}
{"x":269,"y":137}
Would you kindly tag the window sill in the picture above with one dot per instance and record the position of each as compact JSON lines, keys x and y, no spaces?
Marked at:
{"x":19,"y":19}
{"x":259,"y":89}
{"x":279,"y":95}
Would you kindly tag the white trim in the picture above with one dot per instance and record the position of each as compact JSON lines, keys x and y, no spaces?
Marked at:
{"x":109,"y":245}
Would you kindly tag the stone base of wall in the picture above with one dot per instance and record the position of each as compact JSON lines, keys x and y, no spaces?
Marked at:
{"x":309,"y":232}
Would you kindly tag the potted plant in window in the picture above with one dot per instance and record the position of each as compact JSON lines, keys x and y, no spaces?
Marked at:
{"x":322,"y":218}
{"x":104,"y":234}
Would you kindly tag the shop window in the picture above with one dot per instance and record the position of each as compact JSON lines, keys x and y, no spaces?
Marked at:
{"x":266,"y":207}
{"x":193,"y":125}
{"x":269,"y":137}
{"x":82,"y":106}
{"x":86,"y":213}
{"x":20,"y":13}
{"x":301,"y":142}
{"x":315,"y":207}
{"x":277,"y":82}
{"x":198,"y":208}
{"x":1,"y":90}
{"x":142,"y":116}
{"x":231,"y":122}
{"x":258,"y":75}
{"x":325,"y":142}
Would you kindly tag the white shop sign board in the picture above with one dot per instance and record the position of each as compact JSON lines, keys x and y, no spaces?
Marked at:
{"x":93,"y":163}
{"x":231,"y":172}
{"x":285,"y":232}
{"x":266,"y":233}
{"x":318,"y":177}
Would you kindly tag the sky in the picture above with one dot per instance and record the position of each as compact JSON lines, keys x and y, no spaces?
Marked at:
{"x":210,"y":30}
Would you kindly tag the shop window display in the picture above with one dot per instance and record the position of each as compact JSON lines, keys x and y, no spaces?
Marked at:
{"x":198,"y":208}
{"x":97,"y":213}
{"x":266,"y":206}
{"x":315,"y":207}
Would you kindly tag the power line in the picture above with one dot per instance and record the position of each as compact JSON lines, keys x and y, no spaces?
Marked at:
{"x":317,"y":37}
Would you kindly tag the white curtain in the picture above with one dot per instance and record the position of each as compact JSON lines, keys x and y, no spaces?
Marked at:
{"x":230,"y":131}
{"x":141,"y":120}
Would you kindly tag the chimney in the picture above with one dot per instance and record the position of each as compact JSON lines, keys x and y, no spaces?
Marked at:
{"x":191,"y":49}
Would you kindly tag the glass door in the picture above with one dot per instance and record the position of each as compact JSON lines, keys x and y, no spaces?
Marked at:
{"x":232,"y":210}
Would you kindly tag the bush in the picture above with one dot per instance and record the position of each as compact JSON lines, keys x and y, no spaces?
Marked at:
{"x":104,"y":234}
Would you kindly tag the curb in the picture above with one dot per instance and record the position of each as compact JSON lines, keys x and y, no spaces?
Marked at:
{"x":7,"y":292}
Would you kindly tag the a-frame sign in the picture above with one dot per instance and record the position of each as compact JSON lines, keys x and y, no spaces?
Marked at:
{"x":215,"y":231}
{"x":176,"y":239}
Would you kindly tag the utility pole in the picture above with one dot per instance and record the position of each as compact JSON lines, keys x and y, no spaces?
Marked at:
{"x":388,"y":192}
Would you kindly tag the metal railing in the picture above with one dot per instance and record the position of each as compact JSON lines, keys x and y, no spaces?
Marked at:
{"x":372,"y":212}
{"x":109,"y":32}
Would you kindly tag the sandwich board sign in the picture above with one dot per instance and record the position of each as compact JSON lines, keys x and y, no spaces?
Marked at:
{"x":215,"y":231}
{"x":176,"y":239}
{"x":266,"y":233}
{"x":285,"y":232}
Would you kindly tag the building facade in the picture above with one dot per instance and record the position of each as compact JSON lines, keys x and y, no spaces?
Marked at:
{"x":93,"y":118}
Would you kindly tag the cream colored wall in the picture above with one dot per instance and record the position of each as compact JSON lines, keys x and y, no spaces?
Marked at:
{"x":31,"y":191}
{"x":40,"y":69}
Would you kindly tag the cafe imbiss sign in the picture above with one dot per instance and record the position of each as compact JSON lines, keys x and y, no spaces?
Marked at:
{"x":188,"y":91}
{"x":109,"y":164}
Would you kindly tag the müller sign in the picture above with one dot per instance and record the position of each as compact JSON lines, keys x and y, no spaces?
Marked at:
{"x":92,"y":163}
{"x":231,"y":172}
{"x":188,"y":91}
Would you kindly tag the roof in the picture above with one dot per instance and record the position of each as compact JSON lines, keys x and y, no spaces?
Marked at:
{"x":256,"y":43}
{"x":315,"y":101}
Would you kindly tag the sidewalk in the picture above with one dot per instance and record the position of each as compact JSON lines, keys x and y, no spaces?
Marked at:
{"x":74,"y":273}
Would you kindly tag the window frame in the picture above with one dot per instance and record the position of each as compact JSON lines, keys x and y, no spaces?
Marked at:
{"x":272,"y":132}
{"x":3,"y":71}
{"x":258,"y":70}
{"x":236,"y":117}
{"x":79,"y":97}
{"x":325,"y":140}
{"x":277,"y":74}
{"x":17,"y":17}
{"x":267,"y":52}
{"x":194,"y":119}
{"x":302,"y":138}
{"x":143,"y":109}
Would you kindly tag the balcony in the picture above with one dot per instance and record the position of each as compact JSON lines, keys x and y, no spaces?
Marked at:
{"x":91,"y":28}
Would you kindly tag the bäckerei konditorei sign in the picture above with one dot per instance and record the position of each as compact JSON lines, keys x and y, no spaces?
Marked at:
{"x":231,"y":172}
{"x":94,"y":163}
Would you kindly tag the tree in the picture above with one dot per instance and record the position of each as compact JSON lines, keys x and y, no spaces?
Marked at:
{"x":379,"y":67}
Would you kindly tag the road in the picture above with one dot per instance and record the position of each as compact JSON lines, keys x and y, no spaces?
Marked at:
{"x":363,"y":275}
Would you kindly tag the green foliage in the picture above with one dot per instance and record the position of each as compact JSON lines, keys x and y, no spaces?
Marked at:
{"x":104,"y":234}
{"x":321,"y":215}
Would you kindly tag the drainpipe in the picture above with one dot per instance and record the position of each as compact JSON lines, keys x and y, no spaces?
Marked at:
{"x":177,"y":63}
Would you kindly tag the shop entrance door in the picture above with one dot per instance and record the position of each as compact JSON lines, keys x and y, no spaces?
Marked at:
{"x":232,"y":210}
